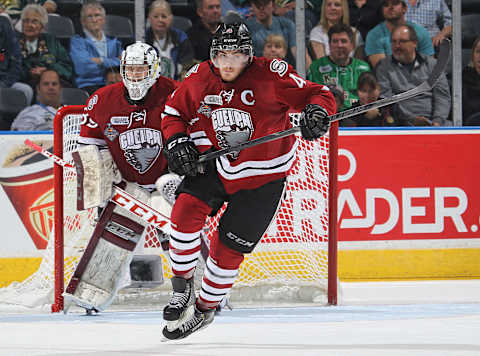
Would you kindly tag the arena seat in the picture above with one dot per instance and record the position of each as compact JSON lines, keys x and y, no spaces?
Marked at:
{"x":120,"y":27}
{"x":12,"y":101}
{"x":74,"y":96}
{"x":182,"y":23}
{"x":62,"y":28}
{"x":470,"y":29}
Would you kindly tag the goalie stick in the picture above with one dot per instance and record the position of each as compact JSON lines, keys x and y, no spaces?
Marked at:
{"x":427,"y":85}
{"x":120,"y":197}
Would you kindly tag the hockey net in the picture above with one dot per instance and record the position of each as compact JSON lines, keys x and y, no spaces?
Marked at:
{"x":295,"y":262}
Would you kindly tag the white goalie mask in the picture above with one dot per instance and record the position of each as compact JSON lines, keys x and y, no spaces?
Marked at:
{"x":139,"y":69}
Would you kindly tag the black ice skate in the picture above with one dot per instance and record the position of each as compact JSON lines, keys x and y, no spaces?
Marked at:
{"x":193,"y":322}
{"x":183,"y":296}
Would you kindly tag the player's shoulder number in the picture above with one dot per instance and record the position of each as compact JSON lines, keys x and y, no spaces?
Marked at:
{"x":281,"y":67}
{"x":192,"y":70}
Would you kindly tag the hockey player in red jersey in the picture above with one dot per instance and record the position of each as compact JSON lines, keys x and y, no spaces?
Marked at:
{"x":228,"y":100}
{"x":124,"y":117}
{"x":120,"y":142}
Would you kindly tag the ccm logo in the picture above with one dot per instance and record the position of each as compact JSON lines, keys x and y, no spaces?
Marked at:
{"x":144,"y":214}
{"x":177,"y":141}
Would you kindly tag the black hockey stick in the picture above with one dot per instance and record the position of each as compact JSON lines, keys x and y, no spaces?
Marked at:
{"x":427,"y":85}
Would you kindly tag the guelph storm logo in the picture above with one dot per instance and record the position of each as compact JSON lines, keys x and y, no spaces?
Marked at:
{"x":232,"y":127}
{"x":141,"y":147}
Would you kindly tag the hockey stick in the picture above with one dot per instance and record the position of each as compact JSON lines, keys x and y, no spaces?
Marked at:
{"x":120,"y":197}
{"x":427,"y":85}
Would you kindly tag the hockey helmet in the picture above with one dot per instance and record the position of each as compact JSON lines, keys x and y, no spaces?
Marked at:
{"x":139,"y":69}
{"x":231,"y":37}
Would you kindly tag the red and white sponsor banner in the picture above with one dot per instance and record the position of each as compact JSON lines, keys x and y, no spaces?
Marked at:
{"x":393,"y":185}
{"x":409,"y":185}
{"x":26,"y":195}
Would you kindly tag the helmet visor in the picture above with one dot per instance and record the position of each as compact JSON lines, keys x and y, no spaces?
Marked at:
{"x":230,"y":58}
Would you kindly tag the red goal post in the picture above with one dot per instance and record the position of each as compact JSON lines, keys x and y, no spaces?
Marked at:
{"x":298,"y":253}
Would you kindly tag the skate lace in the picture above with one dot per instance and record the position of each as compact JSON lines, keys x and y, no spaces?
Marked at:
{"x":192,"y":323}
{"x":179,"y":299}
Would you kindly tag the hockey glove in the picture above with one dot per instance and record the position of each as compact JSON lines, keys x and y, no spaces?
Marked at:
{"x":182,"y":156}
{"x":314,"y":122}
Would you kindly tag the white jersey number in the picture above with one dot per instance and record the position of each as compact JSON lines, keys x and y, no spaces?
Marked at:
{"x":300,"y":81}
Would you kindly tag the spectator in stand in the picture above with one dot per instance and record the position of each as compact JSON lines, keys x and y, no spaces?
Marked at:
{"x":93,"y":52}
{"x":471,"y":87}
{"x":333,"y":12}
{"x":113,"y":76}
{"x":378,"y":45}
{"x":339,"y":68}
{"x":39,"y":117}
{"x":201,"y":33}
{"x":264,"y":22}
{"x":11,"y":60}
{"x":275,"y":47}
{"x":286,"y":8}
{"x":434,"y":15}
{"x":404,"y":70}
{"x":364,"y":15}
{"x":50,"y":7}
{"x":368,"y":92}
{"x":173,"y":46}
{"x":41,"y":51}
{"x":10,"y":9}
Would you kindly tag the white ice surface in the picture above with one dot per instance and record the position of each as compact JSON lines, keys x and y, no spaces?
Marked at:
{"x":374,"y":319}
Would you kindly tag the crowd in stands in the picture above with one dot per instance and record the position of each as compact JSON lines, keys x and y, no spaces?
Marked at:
{"x":362,"y":49}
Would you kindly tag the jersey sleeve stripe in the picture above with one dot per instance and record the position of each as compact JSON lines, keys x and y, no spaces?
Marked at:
{"x":256,"y":168}
{"x":168,"y":110}
{"x":200,"y":138}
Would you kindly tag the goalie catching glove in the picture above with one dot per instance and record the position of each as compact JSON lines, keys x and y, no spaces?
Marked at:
{"x":314,"y":122}
{"x":182,"y":156}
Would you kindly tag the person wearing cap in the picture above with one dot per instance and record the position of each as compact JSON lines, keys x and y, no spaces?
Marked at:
{"x":378,"y":44}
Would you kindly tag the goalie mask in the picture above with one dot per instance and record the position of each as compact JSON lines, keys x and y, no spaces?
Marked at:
{"x":139,"y":69}
{"x":229,"y":38}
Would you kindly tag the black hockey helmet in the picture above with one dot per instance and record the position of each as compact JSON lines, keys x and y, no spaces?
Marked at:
{"x":231,"y":37}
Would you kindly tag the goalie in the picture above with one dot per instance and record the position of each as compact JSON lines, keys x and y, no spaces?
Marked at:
{"x":120,"y":143}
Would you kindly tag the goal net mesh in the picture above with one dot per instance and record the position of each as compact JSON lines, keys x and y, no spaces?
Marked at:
{"x":289,"y":265}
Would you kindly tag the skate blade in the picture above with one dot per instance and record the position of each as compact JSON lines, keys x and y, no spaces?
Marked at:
{"x":175,"y":324}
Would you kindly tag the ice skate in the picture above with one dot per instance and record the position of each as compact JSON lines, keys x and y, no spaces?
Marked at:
{"x":191,"y":323}
{"x":183,"y":296}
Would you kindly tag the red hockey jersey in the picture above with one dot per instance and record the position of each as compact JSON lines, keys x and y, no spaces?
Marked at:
{"x":219,"y":114}
{"x":132,"y":133}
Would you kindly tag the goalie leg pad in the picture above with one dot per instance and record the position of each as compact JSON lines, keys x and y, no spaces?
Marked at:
{"x":98,"y":276}
{"x":96,"y":173}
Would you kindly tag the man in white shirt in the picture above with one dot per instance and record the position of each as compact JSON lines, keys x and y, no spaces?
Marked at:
{"x":39,"y":117}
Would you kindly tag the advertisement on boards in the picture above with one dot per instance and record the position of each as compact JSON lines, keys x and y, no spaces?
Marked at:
{"x":408,"y":184}
{"x":26,"y":178}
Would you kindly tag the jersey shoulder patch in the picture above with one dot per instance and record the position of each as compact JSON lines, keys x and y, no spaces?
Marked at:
{"x":278,"y":66}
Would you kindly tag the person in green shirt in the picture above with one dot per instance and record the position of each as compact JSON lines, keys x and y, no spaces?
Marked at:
{"x":339,"y":68}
